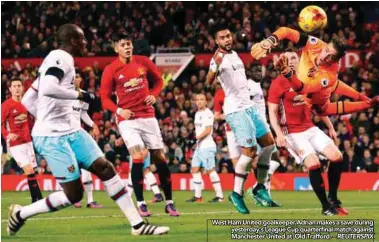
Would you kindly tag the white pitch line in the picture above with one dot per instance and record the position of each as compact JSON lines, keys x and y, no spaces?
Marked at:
{"x":192,"y":213}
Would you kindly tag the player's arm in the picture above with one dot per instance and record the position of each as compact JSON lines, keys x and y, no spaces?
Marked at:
{"x":342,"y":88}
{"x":208,"y":122}
{"x":317,"y":83}
{"x":106,"y":90}
{"x":264,"y":47}
{"x":4,"y":117}
{"x":30,"y":98}
{"x":155,"y":77}
{"x":219,"y":116}
{"x":214,"y":67}
{"x":85,"y":117}
{"x":329,"y":125}
{"x":275,"y":94}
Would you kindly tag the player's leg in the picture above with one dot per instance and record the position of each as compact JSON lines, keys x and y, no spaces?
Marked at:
{"x":152,"y":137}
{"x":274,"y":165}
{"x":129,"y":130}
{"x":267,"y":143}
{"x":61,"y":160}
{"x":25,"y":158}
{"x":95,"y":162}
{"x":88,"y":189}
{"x":345,"y":107}
{"x":151,"y":180}
{"x":300,"y":146}
{"x":317,"y":183}
{"x":244,"y":131}
{"x":325,"y":145}
{"x":197,"y":179}
{"x":347,"y":91}
{"x":210,"y":164}
{"x":233,"y":148}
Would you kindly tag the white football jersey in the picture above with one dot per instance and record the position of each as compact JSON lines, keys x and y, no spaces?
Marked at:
{"x":78,"y":107}
{"x":256,"y":95}
{"x":54,"y":116}
{"x":233,"y":80}
{"x":203,"y":119}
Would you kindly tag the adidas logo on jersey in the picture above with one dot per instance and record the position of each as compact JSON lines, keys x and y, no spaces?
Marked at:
{"x":121,"y":76}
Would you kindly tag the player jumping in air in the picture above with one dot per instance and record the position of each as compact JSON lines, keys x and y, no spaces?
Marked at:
{"x":290,"y":117}
{"x":205,"y":152}
{"x":317,"y":73}
{"x":65,"y":146}
{"x":129,"y":77}
{"x":256,"y":95}
{"x":15,"y":129}
{"x":243,"y":118}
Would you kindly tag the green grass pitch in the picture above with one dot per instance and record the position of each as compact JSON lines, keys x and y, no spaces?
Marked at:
{"x":108,"y":224}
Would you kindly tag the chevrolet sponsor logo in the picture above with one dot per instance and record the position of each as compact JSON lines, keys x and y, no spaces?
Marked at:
{"x":133,"y":82}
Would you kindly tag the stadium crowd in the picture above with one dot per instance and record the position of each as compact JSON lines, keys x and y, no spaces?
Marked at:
{"x":173,"y":24}
{"x":30,"y":31}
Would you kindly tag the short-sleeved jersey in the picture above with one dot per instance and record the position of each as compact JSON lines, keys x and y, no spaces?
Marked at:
{"x":256,"y":95}
{"x":294,"y":112}
{"x":130,"y":82}
{"x":15,"y":119}
{"x":234,"y":82}
{"x":204,"y":119}
{"x":54,"y":115}
{"x":78,"y":107}
{"x":218,"y":102}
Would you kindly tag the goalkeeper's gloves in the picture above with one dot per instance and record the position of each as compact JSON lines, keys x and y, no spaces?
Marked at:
{"x":282,"y":66}
{"x":263,"y":48}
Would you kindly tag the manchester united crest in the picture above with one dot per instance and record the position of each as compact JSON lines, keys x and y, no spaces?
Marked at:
{"x":141,"y":71}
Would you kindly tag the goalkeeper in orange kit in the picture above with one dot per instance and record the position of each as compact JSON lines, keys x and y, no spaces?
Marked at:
{"x":318,"y":72}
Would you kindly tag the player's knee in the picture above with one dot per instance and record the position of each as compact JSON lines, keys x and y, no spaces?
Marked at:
{"x":311,"y":161}
{"x":336,"y":157}
{"x":75,"y":196}
{"x":103,"y":169}
{"x":157,"y":156}
{"x":28,"y":170}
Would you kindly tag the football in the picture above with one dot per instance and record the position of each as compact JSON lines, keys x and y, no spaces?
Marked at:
{"x":312,"y":18}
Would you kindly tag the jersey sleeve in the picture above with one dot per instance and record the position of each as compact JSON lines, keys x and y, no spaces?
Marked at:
{"x":58,"y":63}
{"x":154,"y":76}
{"x":4,"y":117}
{"x":213,"y":66}
{"x":85,"y":106}
{"x":218,"y":102}
{"x":209,"y":119}
{"x":30,"y":98}
{"x":275,"y":93}
{"x":106,"y":90}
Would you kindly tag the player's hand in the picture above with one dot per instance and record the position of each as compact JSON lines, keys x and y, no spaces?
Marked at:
{"x":281,"y":141}
{"x":126,"y":114}
{"x":282,"y":66}
{"x":333,"y":135}
{"x":263,"y":48}
{"x":95,"y":131}
{"x":86,"y":97}
{"x":219,"y":56}
{"x":12,"y":136}
{"x":150,"y":100}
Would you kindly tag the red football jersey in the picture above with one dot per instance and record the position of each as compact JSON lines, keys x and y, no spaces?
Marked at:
{"x":294,"y":111}
{"x":15,"y":119}
{"x":218,"y":101}
{"x":130,"y":82}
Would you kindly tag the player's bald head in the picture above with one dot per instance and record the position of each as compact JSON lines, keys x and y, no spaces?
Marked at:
{"x":67,"y":32}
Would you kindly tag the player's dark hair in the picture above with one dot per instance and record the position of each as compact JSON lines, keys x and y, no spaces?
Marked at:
{"x":119,"y":36}
{"x":290,"y":49}
{"x":67,"y":32}
{"x":220,"y":27}
{"x":16,"y":79}
{"x":340,"y":47}
{"x":256,"y":64}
